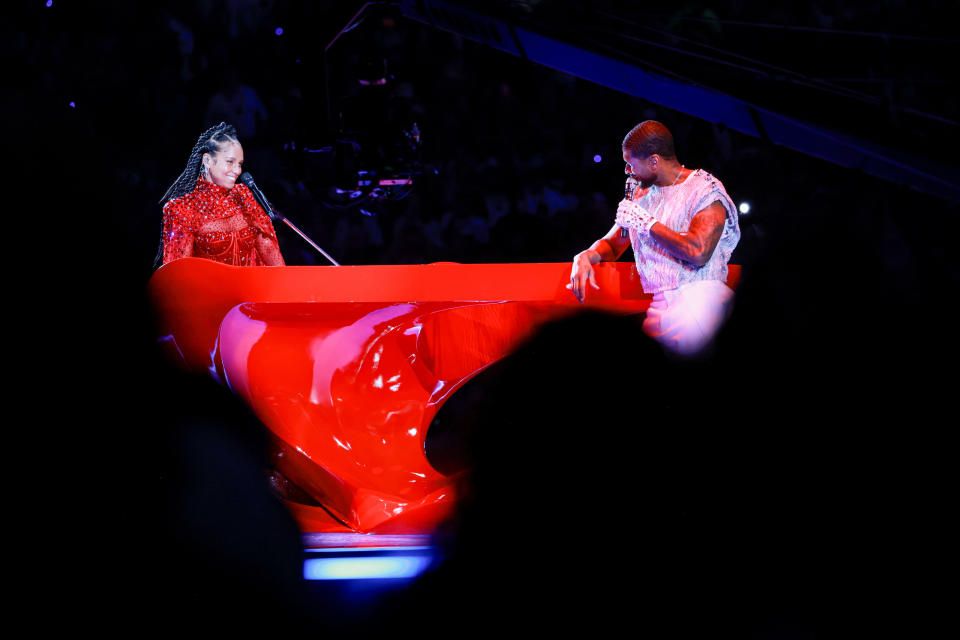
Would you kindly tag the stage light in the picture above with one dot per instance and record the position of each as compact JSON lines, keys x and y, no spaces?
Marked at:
{"x":279,"y":31}
{"x":371,"y":568}
{"x":597,"y":158}
{"x":744,"y":208}
{"x":73,"y":105}
{"x":49,"y":3}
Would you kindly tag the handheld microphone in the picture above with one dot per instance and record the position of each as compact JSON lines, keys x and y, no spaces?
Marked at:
{"x":628,"y":188}
{"x":247,"y":179}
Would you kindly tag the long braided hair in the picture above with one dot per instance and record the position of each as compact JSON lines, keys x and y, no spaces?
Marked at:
{"x":210,"y":141}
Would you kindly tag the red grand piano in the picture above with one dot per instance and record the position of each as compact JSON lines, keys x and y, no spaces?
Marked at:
{"x":347,"y":366}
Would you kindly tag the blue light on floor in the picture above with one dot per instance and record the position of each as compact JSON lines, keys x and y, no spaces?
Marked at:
{"x":365,"y":568}
{"x":354,"y":551}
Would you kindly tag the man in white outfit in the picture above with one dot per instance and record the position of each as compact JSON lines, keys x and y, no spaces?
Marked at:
{"x":683,"y":227}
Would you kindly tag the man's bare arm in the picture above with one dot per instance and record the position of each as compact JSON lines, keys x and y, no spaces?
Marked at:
{"x":696,"y":245}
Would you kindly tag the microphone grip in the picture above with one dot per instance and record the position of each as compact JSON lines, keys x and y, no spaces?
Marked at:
{"x":261,"y":199}
{"x":628,"y":189}
{"x":276,"y":217}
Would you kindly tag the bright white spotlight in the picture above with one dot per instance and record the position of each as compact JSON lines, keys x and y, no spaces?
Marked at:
{"x":744,"y":207}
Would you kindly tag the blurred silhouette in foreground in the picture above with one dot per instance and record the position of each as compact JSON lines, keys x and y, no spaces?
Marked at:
{"x":790,"y":483}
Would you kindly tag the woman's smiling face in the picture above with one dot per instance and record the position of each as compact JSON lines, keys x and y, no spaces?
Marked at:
{"x":224,"y":166}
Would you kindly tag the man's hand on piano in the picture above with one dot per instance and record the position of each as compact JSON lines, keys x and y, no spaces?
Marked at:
{"x":582,"y":273}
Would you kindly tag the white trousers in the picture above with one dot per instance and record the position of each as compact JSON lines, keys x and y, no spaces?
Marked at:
{"x":686,"y":319}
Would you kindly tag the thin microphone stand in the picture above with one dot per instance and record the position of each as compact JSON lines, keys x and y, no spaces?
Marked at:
{"x":276,"y":216}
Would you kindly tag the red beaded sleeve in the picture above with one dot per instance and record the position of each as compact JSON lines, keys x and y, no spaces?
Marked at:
{"x":179,"y":230}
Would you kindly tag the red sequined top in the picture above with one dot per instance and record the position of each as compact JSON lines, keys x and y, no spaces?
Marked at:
{"x":226,"y":225}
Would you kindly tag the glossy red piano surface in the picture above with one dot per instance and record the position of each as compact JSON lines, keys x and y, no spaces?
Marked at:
{"x":347,"y":366}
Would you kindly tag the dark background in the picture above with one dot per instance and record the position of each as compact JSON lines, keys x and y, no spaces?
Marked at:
{"x":825,"y":410}
{"x":508,"y":146}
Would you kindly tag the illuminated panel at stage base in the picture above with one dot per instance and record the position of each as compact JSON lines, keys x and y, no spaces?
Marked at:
{"x":394,"y":563}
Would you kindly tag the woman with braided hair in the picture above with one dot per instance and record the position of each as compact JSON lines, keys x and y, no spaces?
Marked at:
{"x":208,"y":215}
